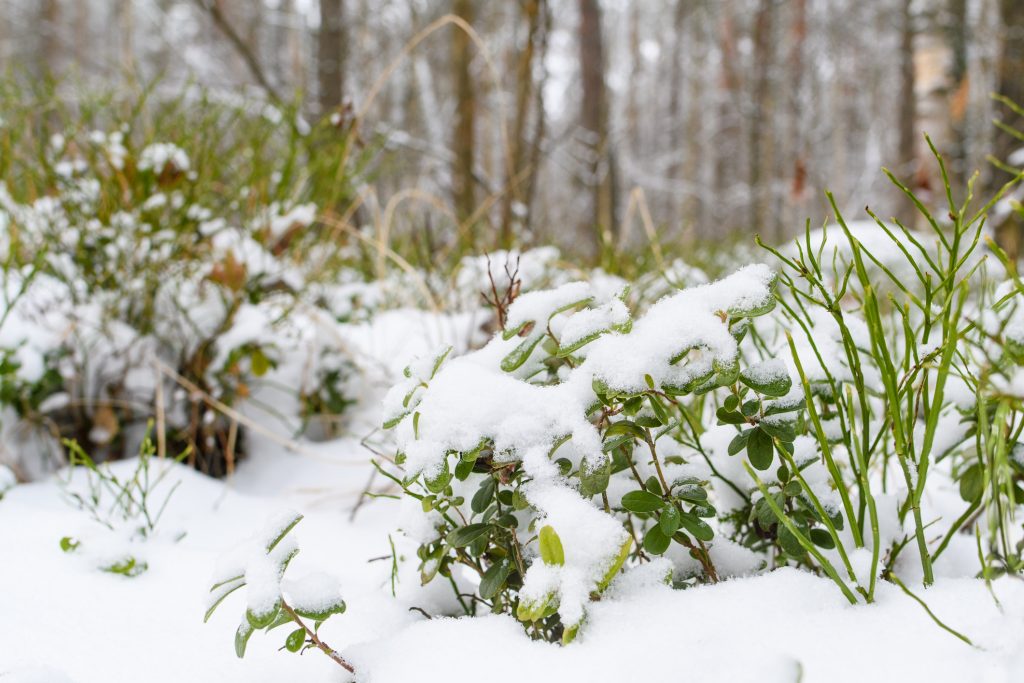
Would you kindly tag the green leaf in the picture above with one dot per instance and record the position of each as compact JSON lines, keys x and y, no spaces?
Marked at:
{"x":594,"y":480}
{"x":259,"y":362}
{"x":336,"y":606}
{"x":730,"y":417}
{"x":484,"y":495}
{"x":438,"y":482}
{"x":620,"y":560}
{"x":551,"y":547}
{"x":463,"y":536}
{"x":642,"y":501}
{"x":822,"y":538}
{"x":296,"y":639}
{"x":521,"y":353}
{"x":285,"y":526}
{"x":69,"y":544}
{"x":242,"y":638}
{"x":263,"y":619}
{"x":776,"y":385}
{"x":790,"y":543}
{"x":697,"y":527}
{"x":494,"y":578}
{"x":393,"y":422}
{"x":221,"y":597}
{"x":669,"y":521}
{"x":694,"y":493}
{"x":739,"y":442}
{"x":760,"y":449}
{"x":792,"y":489}
{"x":972,"y":483}
{"x":626,"y":427}
{"x":655,"y":540}
{"x":784,"y":431}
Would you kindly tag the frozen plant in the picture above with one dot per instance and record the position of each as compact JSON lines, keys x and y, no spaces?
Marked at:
{"x":273,"y":601}
{"x":127,"y":507}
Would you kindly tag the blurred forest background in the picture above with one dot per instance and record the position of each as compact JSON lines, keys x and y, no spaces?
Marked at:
{"x":718,"y":117}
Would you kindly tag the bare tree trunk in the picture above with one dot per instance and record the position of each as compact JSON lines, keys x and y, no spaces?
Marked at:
{"x":958,"y":36}
{"x":761,"y":113}
{"x":463,"y":138}
{"x":599,"y":167}
{"x":539,"y":113}
{"x":1011,"y":85}
{"x":798,"y":154}
{"x":513,"y":201}
{"x":49,"y":40}
{"x":727,"y":134}
{"x":906,"y":156}
{"x":330,"y":56}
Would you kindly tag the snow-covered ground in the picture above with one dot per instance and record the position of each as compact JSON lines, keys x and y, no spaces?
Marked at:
{"x":62,"y":619}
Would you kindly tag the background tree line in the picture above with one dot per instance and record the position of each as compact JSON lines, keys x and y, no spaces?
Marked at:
{"x":724,"y":116}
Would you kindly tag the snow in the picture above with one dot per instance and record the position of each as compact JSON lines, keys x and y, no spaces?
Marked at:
{"x":766,"y":627}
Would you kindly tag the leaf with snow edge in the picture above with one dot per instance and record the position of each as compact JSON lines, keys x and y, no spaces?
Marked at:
{"x":587,"y":325}
{"x":542,"y":305}
{"x":752,"y":308}
{"x":642,"y":501}
{"x":221,"y":591}
{"x":437,"y":482}
{"x":570,"y":632}
{"x":519,"y":355}
{"x":551,"y":551}
{"x":277,"y":528}
{"x":537,"y":610}
{"x":594,"y":478}
{"x":669,"y":520}
{"x":127,"y":566}
{"x":439,"y":361}
{"x":69,"y":544}
{"x":769,"y":377}
{"x":692,"y":492}
{"x":781,"y":429}
{"x":242,"y":635}
{"x":263,"y":618}
{"x":786,"y":404}
{"x":316,"y":596}
{"x":620,"y":560}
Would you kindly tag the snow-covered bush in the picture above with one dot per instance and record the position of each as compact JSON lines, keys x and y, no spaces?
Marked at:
{"x":128,"y":508}
{"x":186,"y":267}
{"x":525,"y":455}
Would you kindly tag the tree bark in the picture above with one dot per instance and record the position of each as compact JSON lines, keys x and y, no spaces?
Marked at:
{"x":463,"y":137}
{"x":761,"y":113}
{"x":330,"y":55}
{"x":599,"y":172}
{"x":513,"y":200}
{"x":906,"y":157}
{"x":1011,"y":85}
